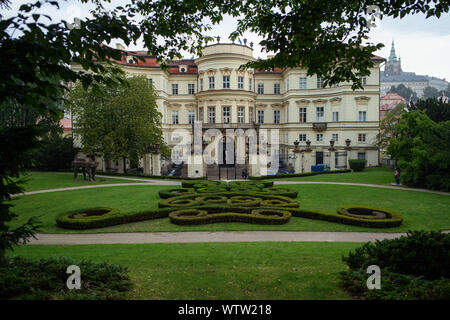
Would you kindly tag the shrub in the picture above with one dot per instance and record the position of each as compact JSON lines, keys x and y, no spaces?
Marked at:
{"x":46,"y":279}
{"x":357,"y":165}
{"x":416,"y":266}
{"x":294,"y":175}
{"x":164,"y":194}
{"x":56,"y":153}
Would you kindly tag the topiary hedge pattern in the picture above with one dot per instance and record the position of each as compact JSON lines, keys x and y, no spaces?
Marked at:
{"x":239,"y":201}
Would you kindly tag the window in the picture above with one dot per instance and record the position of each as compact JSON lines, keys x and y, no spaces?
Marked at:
{"x":200,"y":114}
{"x":302,"y":115}
{"x":319,"y":137}
{"x":361,"y":156}
{"x":335,"y":137}
{"x":211,"y":82}
{"x":240,"y":82}
{"x":250,"y":114}
{"x":175,"y":117}
{"x":250,"y":85}
{"x":319,"y":83}
{"x":361,"y":137}
{"x":260,"y":116}
{"x":287,"y":84}
{"x":174,"y":88}
{"x":191,"y":88}
{"x":201,"y":84}
{"x":276,"y":116}
{"x":319,"y":114}
{"x":212,"y":115}
{"x":191,"y":116}
{"x":226,"y":114}
{"x":241,"y":114}
{"x":335,"y":116}
{"x":302,"y":83}
{"x":260,"y":88}
{"x":363,"y":80}
{"x":276,"y":88}
{"x":362,"y":115}
{"x":226,"y":82}
{"x":150,"y":83}
{"x":302,"y":137}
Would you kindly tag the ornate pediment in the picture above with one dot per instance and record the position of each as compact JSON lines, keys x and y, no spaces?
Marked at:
{"x":261,"y":105}
{"x":226,"y":71}
{"x":211,"y":72}
{"x":336,"y":100}
{"x":320,"y":101}
{"x":362,"y":99}
{"x":303,"y":101}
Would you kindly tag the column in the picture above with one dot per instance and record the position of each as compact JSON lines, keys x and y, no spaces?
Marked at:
{"x":156,"y":164}
{"x":332,"y":159}
{"x":120,"y":168}
{"x":147,"y":164}
{"x":196,"y":166}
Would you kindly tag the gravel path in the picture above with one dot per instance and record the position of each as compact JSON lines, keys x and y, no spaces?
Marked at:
{"x":210,"y":236}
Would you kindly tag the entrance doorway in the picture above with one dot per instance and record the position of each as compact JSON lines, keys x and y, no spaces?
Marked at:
{"x":319,"y":157}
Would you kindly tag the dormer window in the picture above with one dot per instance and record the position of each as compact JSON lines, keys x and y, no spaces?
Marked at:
{"x":182,"y":68}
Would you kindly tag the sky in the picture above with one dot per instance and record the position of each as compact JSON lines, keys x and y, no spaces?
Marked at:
{"x":423,"y":44}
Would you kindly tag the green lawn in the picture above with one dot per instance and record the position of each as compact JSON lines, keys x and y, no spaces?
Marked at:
{"x":52,"y":180}
{"x":375,"y":175}
{"x":420,"y":210}
{"x":219,"y":271}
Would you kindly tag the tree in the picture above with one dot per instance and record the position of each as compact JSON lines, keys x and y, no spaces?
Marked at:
{"x":430,"y":92}
{"x":435,"y":109}
{"x":121,"y":122}
{"x":405,"y":92}
{"x":422,"y":150}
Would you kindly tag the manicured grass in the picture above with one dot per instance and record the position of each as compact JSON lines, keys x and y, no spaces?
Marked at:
{"x":420,"y":210}
{"x":52,"y":180}
{"x":375,"y":175}
{"x":219,"y":271}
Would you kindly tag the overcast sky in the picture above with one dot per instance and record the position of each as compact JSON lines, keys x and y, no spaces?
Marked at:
{"x":423,"y":44}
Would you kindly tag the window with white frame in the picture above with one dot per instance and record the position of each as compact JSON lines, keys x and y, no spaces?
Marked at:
{"x":250,"y":84}
{"x":302,"y":115}
{"x":302,"y":137}
{"x":226,"y":82}
{"x":363,"y":80}
{"x":191,"y":88}
{"x":226,"y":114}
{"x":212,"y":115}
{"x":201,"y":84}
{"x":319,"y":137}
{"x":250,"y":114}
{"x":335,"y":116}
{"x":260,"y":116}
{"x":200,"y":114}
{"x":276,"y":88}
{"x":241,"y":114}
{"x":150,"y":83}
{"x":361,"y":137}
{"x":319,"y":82}
{"x":335,"y":137}
{"x":211,"y":82}
{"x":319,"y":114}
{"x":302,"y":83}
{"x":276,"y":116}
{"x":175,"y":117}
{"x":240,"y":82}
{"x":361,"y":156}
{"x":260,"y":88}
{"x":287,"y":84}
{"x":191,"y":116}
{"x":174,"y":88}
{"x":362,"y":115}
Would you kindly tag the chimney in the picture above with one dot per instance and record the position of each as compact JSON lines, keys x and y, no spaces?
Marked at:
{"x":119,"y":46}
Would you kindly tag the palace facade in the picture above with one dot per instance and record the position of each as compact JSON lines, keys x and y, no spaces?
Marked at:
{"x":316,"y":125}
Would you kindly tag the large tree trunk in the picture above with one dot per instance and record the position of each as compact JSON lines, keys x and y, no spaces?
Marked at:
{"x":125,"y":165}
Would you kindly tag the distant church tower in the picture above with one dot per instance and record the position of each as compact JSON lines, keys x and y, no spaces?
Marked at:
{"x":393,"y":66}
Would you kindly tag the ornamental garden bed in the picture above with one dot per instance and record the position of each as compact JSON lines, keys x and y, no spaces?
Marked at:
{"x":205,"y":202}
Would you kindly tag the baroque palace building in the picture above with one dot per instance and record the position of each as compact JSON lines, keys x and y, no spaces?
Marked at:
{"x":316,"y":125}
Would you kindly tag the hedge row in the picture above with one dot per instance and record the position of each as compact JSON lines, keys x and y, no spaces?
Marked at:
{"x":67,"y":220}
{"x":150,"y":176}
{"x":293,"y":175}
{"x":260,"y":199}
{"x":394,"y":220}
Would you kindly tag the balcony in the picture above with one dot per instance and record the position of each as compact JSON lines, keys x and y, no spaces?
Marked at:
{"x":319,"y":126}
{"x":228,"y":125}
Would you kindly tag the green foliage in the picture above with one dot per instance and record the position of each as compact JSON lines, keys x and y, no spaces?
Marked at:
{"x":46,"y":279}
{"x":430,"y":92}
{"x":120,"y":122}
{"x":56,"y":153}
{"x":435,"y":109}
{"x":413,"y":267}
{"x":422,"y":150}
{"x":357,"y":164}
